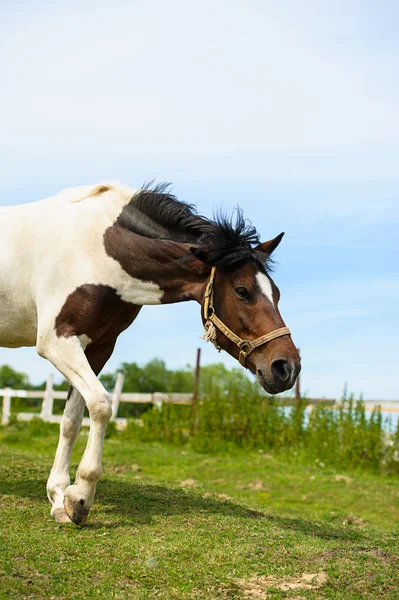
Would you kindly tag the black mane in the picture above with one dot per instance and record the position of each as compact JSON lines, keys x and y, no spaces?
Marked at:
{"x":224,"y":242}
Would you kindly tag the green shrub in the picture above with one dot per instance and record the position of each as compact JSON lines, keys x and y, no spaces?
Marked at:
{"x":169,"y":424}
{"x":347,"y":435}
{"x":17,"y":431}
{"x":242,"y":416}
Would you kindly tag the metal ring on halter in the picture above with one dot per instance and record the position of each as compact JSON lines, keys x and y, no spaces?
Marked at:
{"x":245,"y":349}
{"x":245,"y":346}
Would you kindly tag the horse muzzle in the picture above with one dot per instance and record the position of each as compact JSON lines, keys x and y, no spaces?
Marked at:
{"x":280,"y":376}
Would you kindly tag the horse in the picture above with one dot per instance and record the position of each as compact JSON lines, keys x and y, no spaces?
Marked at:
{"x":75,"y":271}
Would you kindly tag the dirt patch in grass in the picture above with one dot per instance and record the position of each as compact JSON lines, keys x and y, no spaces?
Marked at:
{"x":344,"y":478}
{"x":258,"y":587}
{"x":257,"y":485}
{"x":189,"y":483}
{"x":124,"y":468}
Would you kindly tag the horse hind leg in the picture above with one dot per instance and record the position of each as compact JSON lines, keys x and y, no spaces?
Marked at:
{"x":67,"y":355}
{"x":59,"y":479}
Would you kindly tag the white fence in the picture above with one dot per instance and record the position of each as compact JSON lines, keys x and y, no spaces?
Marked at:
{"x":117,"y":396}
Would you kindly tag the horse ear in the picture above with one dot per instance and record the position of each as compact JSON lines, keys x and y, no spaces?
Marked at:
{"x":271,"y":245}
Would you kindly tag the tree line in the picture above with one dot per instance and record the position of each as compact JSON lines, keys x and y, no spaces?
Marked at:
{"x":154,"y":376}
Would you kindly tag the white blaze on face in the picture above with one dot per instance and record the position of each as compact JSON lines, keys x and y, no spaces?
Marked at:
{"x":265,"y":286}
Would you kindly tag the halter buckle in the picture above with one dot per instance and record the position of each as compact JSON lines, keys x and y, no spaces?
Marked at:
{"x":245,"y":348}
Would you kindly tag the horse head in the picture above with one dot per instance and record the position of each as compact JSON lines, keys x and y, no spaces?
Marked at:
{"x":241,"y":316}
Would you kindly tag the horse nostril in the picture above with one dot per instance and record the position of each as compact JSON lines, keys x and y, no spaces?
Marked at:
{"x":281,"y":370}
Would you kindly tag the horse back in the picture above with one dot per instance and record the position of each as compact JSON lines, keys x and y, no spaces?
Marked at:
{"x":48,"y":249}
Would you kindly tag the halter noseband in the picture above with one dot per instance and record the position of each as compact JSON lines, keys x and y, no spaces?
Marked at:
{"x":212,"y":321}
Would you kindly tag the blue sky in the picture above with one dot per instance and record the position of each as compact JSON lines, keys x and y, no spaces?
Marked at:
{"x":288,"y":109}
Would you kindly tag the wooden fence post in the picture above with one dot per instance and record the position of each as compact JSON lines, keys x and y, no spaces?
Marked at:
{"x":48,"y":400}
{"x":116,"y":395}
{"x":193,"y":420}
{"x":157,"y":400}
{"x":5,"y":419}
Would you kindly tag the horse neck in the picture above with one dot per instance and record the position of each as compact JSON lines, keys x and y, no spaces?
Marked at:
{"x":166,"y":263}
{"x":178,"y":273}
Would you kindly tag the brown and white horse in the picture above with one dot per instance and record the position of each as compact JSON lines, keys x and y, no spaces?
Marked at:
{"x":75,"y":270}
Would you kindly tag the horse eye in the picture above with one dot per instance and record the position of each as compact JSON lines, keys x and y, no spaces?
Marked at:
{"x":242,"y":292}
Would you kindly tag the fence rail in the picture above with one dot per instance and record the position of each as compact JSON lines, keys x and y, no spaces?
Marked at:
{"x":117,"y":396}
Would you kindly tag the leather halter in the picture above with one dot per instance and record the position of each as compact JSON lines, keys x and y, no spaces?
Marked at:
{"x":245,"y":346}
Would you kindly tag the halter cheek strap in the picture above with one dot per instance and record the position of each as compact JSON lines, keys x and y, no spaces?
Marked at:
{"x":212,"y":322}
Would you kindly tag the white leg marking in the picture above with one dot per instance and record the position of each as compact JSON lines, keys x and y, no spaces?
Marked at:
{"x":68,"y":356}
{"x":59,"y":480}
{"x":265,"y":286}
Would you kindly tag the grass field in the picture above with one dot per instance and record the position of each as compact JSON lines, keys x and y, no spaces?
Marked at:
{"x":172,"y":523}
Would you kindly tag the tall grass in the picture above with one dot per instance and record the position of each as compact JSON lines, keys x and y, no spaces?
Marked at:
{"x":240,"y":416}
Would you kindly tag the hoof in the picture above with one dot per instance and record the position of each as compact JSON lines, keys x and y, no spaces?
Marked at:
{"x":60,"y":516}
{"x":75,"y":511}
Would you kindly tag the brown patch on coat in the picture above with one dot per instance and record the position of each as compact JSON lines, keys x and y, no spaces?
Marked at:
{"x":167,"y":263}
{"x":96,"y":311}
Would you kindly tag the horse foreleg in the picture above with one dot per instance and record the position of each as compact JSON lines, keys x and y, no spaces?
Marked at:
{"x":68,"y":356}
{"x":59,"y":479}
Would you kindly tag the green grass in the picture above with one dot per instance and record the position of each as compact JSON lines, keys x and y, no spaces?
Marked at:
{"x":172,"y":523}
